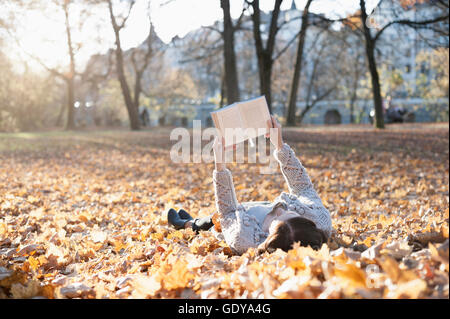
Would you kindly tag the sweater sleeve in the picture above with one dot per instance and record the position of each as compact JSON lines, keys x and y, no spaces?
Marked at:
{"x":293,"y":171}
{"x":226,"y":201}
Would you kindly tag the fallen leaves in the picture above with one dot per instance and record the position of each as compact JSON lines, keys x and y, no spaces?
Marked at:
{"x":89,"y":222}
{"x":77,"y":290}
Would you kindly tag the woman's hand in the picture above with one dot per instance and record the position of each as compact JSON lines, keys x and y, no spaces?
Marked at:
{"x":219,"y":153}
{"x":277,"y":138}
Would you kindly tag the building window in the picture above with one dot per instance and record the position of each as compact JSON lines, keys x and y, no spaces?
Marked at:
{"x":422,"y":68}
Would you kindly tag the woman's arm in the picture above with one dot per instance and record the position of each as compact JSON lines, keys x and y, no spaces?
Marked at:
{"x":226,"y":201}
{"x":292,"y":169}
{"x":239,"y":231}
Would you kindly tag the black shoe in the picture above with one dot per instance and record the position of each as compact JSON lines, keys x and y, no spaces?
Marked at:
{"x":184,"y":214}
{"x":174,"y":219}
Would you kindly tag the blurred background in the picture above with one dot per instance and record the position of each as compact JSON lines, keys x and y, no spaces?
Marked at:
{"x":86,"y":64}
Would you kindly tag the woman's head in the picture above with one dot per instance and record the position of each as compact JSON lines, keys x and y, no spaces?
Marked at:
{"x":284,"y":233}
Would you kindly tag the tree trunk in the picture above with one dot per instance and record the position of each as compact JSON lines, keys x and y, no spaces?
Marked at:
{"x":231,"y":76}
{"x":70,"y":125}
{"x":60,"y":115}
{"x":266,"y":79}
{"x":370,"y":55}
{"x":71,"y":77}
{"x":137,"y":91}
{"x":223,"y":89}
{"x":140,"y":68}
{"x":264,"y":54}
{"x":131,"y":109}
{"x":352,"y":108}
{"x":376,"y":89}
{"x":292,"y":105}
{"x":354,"y":94}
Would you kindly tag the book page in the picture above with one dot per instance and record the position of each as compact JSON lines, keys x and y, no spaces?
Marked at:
{"x":255,"y":114}
{"x":229,"y":118}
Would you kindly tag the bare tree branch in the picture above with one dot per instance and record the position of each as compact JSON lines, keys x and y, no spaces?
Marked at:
{"x":288,"y":44}
{"x":214,"y":29}
{"x":410,"y":23}
{"x":122,"y":25}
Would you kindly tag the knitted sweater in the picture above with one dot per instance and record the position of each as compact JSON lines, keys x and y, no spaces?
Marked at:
{"x":241,"y":229}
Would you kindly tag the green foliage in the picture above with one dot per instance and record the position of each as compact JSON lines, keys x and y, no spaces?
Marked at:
{"x":435,"y":62}
{"x":391,"y":81}
{"x":111,"y":108}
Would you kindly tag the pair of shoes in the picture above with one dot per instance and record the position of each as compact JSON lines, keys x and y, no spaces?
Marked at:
{"x":175,"y":220}
{"x":179,"y":219}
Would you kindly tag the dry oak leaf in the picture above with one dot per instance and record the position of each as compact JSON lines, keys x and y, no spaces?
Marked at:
{"x":440,"y":253}
{"x":411,"y":289}
{"x":145,"y":286}
{"x":350,"y":273}
{"x":392,"y":269}
{"x":28,"y":249}
{"x":397,"y":249}
{"x":76,"y":290}
{"x":428,"y":237}
{"x":179,"y":276}
{"x":293,"y":287}
{"x":373,"y":252}
{"x":23,"y":291}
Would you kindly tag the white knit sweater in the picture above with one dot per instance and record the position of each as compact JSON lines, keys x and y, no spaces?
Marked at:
{"x":241,"y":229}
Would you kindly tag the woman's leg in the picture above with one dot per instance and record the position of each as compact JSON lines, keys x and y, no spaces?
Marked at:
{"x":197,"y":224}
{"x":204,"y":223}
{"x":182,"y":219}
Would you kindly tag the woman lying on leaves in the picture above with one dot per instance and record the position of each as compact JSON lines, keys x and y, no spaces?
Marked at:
{"x":295,"y":217}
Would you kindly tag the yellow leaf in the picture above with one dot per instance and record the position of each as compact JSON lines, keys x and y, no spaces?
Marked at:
{"x":351,"y":273}
{"x":176,"y":234}
{"x":3,"y":228}
{"x":83,"y":218}
{"x":34,"y":263}
{"x":119,"y":245}
{"x":157,"y":236}
{"x":344,"y":194}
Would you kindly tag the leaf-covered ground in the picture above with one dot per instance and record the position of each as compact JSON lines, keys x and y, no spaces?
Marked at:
{"x":82,"y":216}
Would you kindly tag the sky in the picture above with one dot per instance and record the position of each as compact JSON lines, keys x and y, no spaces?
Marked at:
{"x":43,"y":35}
{"x":181,"y":16}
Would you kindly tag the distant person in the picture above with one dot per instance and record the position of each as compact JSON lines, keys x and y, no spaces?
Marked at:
{"x":297,"y":216}
{"x":144,"y":116}
{"x":395,"y":113}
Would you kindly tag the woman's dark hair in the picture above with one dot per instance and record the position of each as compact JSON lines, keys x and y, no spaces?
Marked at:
{"x":296,"y":229}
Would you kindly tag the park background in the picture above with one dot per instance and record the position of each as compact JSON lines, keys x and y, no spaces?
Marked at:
{"x":91,"y":89}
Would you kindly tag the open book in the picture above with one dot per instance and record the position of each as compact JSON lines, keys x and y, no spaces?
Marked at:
{"x":242,"y":120}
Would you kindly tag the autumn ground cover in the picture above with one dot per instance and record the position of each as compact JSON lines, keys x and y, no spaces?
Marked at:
{"x":82,"y":216}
